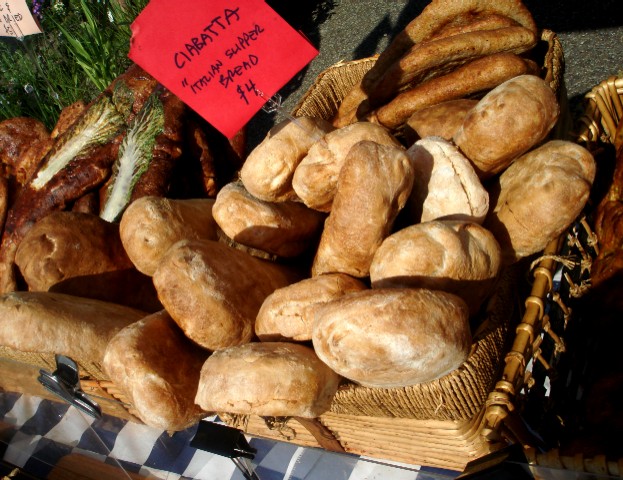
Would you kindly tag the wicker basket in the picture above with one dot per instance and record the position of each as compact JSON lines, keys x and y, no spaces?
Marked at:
{"x":445,"y":423}
{"x":440,"y":423}
{"x":552,"y":336}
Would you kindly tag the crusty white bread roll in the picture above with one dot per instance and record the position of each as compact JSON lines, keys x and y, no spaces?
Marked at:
{"x":445,"y":184}
{"x":214,"y":291}
{"x":315,"y":178}
{"x":150,"y":225}
{"x":268,"y":169}
{"x":455,"y":256}
{"x":373,"y":186}
{"x":57,"y":323}
{"x":393,"y":337}
{"x":439,"y":120}
{"x":507,"y":122}
{"x":267,"y":379}
{"x":539,"y":196}
{"x":285,"y":229}
{"x":158,"y":368}
{"x":288,"y":313}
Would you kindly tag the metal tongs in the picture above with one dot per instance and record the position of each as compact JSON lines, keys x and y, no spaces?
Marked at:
{"x":227,"y":442}
{"x":65,"y":383}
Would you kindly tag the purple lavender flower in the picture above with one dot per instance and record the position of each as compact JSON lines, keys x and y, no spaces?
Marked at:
{"x":37,"y":7}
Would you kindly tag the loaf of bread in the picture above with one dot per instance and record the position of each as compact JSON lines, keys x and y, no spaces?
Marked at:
{"x":438,"y":19}
{"x":507,"y":122}
{"x":158,"y":368}
{"x":475,"y":77}
{"x":538,"y":197}
{"x":288,"y":313}
{"x":455,"y":256}
{"x":285,"y":229}
{"x":439,"y":120}
{"x":214,"y":291}
{"x":268,"y":169}
{"x":373,"y":186}
{"x":428,"y":60}
{"x":445,"y":185}
{"x":151,"y":225}
{"x":267,"y":379}
{"x":393,"y":337}
{"x":315,"y":178}
{"x":68,"y":244}
{"x":56,"y":323}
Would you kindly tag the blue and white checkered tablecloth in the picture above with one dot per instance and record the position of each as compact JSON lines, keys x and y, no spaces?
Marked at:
{"x":36,"y":433}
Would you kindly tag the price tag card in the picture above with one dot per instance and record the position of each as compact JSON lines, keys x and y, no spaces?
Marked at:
{"x":16,"y":19}
{"x":223,"y":58}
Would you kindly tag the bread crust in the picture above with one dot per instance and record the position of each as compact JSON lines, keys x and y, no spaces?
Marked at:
{"x":288,"y":313}
{"x":507,"y":122}
{"x":151,"y":225}
{"x":315,"y":179}
{"x":57,"y":323}
{"x":158,"y":369}
{"x":373,"y":186}
{"x":267,"y":379}
{"x":446,"y":185}
{"x":538,"y":197}
{"x":393,"y":337}
{"x":455,"y":256}
{"x":214,"y":291}
{"x":286,"y":229}
{"x":473,"y":78}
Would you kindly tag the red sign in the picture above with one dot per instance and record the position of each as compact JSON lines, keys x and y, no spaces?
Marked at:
{"x":224,"y":59}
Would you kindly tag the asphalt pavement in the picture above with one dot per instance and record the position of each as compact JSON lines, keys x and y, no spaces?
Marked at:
{"x":591,"y":34}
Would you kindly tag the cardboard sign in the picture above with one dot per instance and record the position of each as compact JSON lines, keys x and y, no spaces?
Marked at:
{"x":16,"y":19}
{"x":224,"y":59}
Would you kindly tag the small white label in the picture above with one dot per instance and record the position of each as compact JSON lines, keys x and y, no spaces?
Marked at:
{"x":16,"y":20}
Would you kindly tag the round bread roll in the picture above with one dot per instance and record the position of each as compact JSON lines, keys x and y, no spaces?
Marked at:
{"x":286,"y":229}
{"x":538,"y":197}
{"x":445,"y":184}
{"x":268,"y":169}
{"x":393,"y":337}
{"x":267,"y":379}
{"x":214,"y":291}
{"x":315,"y":178}
{"x":151,"y":225}
{"x":440,"y":120}
{"x":288,"y":312}
{"x":372,"y":188}
{"x":455,"y":256}
{"x":507,"y":122}
{"x":158,"y":368}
